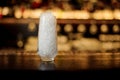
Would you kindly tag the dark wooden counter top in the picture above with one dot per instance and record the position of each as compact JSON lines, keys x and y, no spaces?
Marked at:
{"x":67,"y":61}
{"x":67,"y":65}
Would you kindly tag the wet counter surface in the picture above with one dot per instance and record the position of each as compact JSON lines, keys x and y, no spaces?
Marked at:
{"x":65,"y":61}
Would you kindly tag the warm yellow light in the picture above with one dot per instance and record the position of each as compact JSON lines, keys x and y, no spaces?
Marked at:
{"x":20,"y":43}
{"x":35,"y":13}
{"x":64,"y":47}
{"x":63,"y":44}
{"x":108,"y":14}
{"x":67,"y":15}
{"x":18,"y":13}
{"x":116,"y":45}
{"x":58,"y":28}
{"x":26,"y":13}
{"x":117,"y":37}
{"x":32,"y":40}
{"x":5,"y":11}
{"x":68,"y":28}
{"x":81,"y":14}
{"x":0,"y":10}
{"x":104,"y":28}
{"x":81,"y":28}
{"x":31,"y":44}
{"x":84,"y":44}
{"x":62,"y":39}
{"x":116,"y":28}
{"x":116,"y":14}
{"x":93,"y":29}
{"x":57,"y":13}
{"x":107,"y":45}
{"x":102,"y":37}
{"x":31,"y":27}
{"x":98,"y":14}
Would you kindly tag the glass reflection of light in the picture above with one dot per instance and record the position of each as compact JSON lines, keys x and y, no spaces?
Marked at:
{"x":45,"y":66}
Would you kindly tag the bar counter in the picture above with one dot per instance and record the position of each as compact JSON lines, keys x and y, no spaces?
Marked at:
{"x":67,"y":61}
{"x":67,"y":65}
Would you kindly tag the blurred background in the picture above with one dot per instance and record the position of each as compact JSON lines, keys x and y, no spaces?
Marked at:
{"x":82,"y":25}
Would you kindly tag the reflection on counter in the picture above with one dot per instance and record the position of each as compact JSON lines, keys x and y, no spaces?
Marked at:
{"x":47,"y":66}
{"x":63,"y":61}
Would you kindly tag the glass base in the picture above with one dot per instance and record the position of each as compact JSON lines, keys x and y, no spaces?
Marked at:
{"x":47,"y":59}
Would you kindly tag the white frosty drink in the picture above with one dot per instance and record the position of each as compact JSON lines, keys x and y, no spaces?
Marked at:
{"x":47,"y":37}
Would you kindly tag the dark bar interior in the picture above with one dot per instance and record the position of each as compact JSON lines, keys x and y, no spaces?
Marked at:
{"x":88,"y":35}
